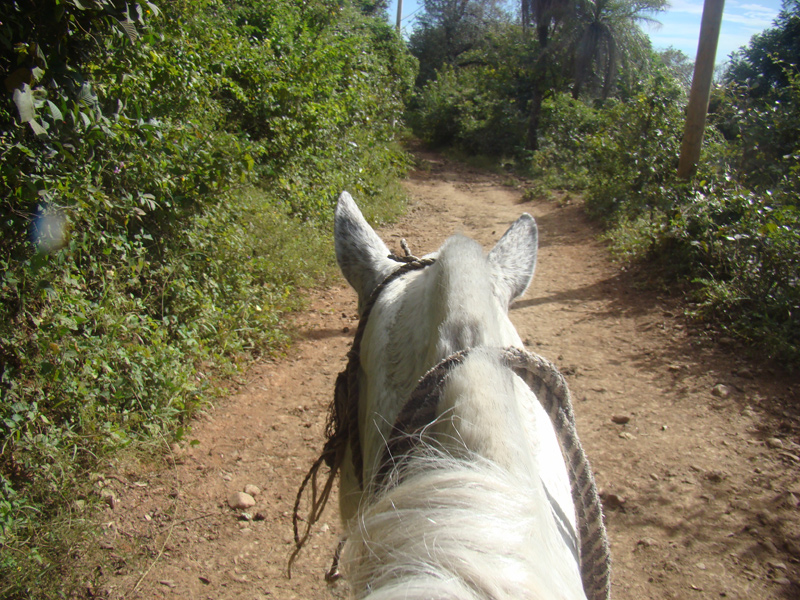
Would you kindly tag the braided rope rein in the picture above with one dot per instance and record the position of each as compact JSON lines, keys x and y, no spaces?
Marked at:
{"x":548,"y":384}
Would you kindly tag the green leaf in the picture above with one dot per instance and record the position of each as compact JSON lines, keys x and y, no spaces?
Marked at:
{"x":55,"y":112}
{"x":130,"y":30}
{"x":23,"y":98}
{"x":37,"y":128}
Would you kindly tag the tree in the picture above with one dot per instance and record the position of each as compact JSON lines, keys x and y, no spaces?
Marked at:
{"x":679,"y":64}
{"x":761,"y":65}
{"x":699,"y":95}
{"x":545,"y":16}
{"x":448,"y":29}
{"x":606,"y":33}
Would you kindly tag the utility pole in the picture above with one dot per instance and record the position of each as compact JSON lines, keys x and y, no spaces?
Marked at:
{"x":399,"y":13}
{"x":701,"y":88}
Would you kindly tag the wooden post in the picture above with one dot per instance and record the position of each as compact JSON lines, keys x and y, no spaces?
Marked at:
{"x":701,"y":88}
{"x":399,"y":13}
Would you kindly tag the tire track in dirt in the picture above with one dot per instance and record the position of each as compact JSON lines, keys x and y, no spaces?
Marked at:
{"x":701,"y":490}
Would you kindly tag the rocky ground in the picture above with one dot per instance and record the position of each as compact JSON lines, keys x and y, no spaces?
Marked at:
{"x":694,"y":445}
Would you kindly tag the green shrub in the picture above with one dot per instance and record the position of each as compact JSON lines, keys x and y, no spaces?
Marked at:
{"x":158,"y":225}
{"x":465,"y":109}
{"x":562,"y":159}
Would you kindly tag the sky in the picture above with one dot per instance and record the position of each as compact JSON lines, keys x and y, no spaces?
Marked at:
{"x":680,"y":25}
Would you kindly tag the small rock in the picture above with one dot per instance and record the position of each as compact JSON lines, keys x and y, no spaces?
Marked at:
{"x":245,"y":516}
{"x":647,"y":542}
{"x":778,"y":566}
{"x":782,"y":581}
{"x":774,"y":442}
{"x":620,"y":419}
{"x":167,"y":582}
{"x":240,"y":500}
{"x":769,"y":546}
{"x":260,"y":516}
{"x":626,"y":435}
{"x":110,"y":499}
{"x":204,"y":580}
{"x":716,"y":476}
{"x":251,"y":489}
{"x":721,"y":391}
{"x":611,"y":501}
{"x":791,"y":500}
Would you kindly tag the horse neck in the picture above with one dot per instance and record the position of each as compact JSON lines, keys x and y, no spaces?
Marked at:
{"x":466,"y":515}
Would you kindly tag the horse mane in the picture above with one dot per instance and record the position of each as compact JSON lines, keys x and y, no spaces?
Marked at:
{"x":455,"y":518}
{"x":448,"y":527}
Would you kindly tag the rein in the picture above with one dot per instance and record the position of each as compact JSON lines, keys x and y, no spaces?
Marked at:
{"x":541,"y":376}
{"x":341,"y":429}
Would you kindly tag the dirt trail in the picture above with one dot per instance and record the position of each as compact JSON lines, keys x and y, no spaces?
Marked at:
{"x":701,"y":486}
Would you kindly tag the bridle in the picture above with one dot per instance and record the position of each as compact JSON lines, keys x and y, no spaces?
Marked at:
{"x":420,"y":410}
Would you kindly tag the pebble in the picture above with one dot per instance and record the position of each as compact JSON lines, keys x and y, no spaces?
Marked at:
{"x":791,"y":500}
{"x":611,"y":501}
{"x":721,"y":391}
{"x":240,"y":500}
{"x":626,"y":435}
{"x":109,"y":498}
{"x":620,"y":419}
{"x":773,"y":442}
{"x":778,"y":566}
{"x":251,"y":489}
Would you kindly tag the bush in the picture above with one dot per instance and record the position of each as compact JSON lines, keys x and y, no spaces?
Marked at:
{"x":562,"y":159}
{"x":463,"y":108}
{"x":159,"y":219}
{"x":721,"y":234}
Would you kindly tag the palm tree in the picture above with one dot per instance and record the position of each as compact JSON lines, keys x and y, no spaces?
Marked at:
{"x":545,"y":16}
{"x":606,"y":33}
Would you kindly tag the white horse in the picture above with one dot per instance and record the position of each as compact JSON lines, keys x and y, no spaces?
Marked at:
{"x":453,"y":479}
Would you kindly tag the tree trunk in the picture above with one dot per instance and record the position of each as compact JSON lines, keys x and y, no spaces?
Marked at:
{"x":535,"y":115}
{"x":399,"y":13}
{"x":701,"y":88}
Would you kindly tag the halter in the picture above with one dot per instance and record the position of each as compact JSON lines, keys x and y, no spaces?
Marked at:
{"x":419,"y":411}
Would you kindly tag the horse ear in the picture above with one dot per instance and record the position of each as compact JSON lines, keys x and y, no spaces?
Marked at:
{"x":362,"y":255}
{"x":514,"y":258}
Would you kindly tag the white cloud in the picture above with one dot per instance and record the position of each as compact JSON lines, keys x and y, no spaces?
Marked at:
{"x":685,"y":6}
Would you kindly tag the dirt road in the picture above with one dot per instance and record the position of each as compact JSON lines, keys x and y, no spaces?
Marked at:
{"x":695,"y":450}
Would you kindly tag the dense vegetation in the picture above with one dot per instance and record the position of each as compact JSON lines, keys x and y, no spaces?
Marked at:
{"x":574,"y":97}
{"x":168,"y":176}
